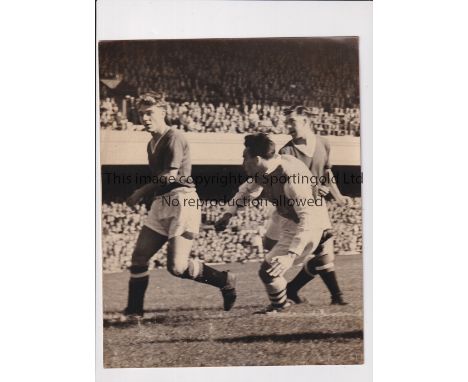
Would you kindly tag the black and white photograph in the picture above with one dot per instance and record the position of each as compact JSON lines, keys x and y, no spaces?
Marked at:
{"x":231,"y":202}
{"x":205,"y":190}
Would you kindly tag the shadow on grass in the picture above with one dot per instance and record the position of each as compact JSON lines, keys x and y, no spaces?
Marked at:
{"x":153,"y":316}
{"x":188,"y":309}
{"x":294,"y":337}
{"x":281,"y":338}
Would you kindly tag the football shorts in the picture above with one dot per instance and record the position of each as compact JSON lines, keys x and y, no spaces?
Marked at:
{"x":287,"y":230}
{"x":175,"y":212}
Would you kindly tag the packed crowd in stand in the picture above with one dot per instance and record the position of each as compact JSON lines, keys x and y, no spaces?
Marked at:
{"x":313,"y":72}
{"x":241,"y":242}
{"x":226,"y":118}
{"x":235,"y":86}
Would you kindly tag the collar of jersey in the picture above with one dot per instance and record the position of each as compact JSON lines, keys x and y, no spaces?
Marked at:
{"x":311,"y":144}
{"x":156,"y":143}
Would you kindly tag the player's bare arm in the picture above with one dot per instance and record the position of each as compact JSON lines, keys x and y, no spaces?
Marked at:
{"x":246,"y":193}
{"x":149,"y":188}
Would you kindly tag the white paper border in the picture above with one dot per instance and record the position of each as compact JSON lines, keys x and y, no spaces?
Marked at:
{"x":143,"y":19}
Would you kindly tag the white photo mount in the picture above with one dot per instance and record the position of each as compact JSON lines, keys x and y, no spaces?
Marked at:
{"x":138,"y":19}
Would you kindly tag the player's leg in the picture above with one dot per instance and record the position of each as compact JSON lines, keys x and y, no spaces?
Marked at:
{"x":182,"y":228}
{"x":309,"y":271}
{"x":325,"y":267}
{"x":148,"y":243}
{"x":305,"y":275}
{"x":269,"y":243}
{"x":180,"y":265}
{"x":275,"y":286}
{"x":321,"y":264}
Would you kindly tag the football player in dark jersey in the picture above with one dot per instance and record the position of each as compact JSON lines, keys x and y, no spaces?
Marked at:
{"x":314,"y":151}
{"x":174,"y":216}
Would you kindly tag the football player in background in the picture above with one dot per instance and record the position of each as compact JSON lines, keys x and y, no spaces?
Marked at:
{"x":174,"y":216}
{"x":314,"y":151}
{"x":304,"y":225}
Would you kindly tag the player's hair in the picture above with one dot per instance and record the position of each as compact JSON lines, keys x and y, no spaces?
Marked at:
{"x":152,"y":98}
{"x":260,"y":145}
{"x":299,"y":110}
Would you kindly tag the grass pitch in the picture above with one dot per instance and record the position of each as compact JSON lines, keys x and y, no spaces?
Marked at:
{"x":185,"y":325}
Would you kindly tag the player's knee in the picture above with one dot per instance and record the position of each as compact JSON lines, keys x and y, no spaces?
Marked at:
{"x":263,"y":274}
{"x":329,"y":267}
{"x":138,"y":270}
{"x":140,"y":262}
{"x":139,"y":258}
{"x":194,"y":269}
{"x":324,"y":264}
{"x":273,"y":285}
{"x":268,"y":243}
{"x":189,"y":270}
{"x":309,"y":267}
{"x":177,"y":269}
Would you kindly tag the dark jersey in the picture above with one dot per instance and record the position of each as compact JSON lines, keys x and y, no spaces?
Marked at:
{"x":171,"y":151}
{"x":320,"y":160}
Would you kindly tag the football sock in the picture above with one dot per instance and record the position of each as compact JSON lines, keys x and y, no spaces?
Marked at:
{"x":136,"y":294}
{"x":329,"y":278}
{"x":211,"y":276}
{"x":278,"y":299}
{"x":275,"y":287}
{"x":301,"y":279}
